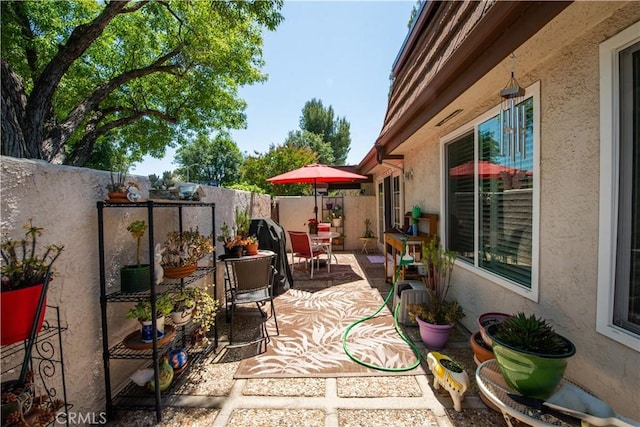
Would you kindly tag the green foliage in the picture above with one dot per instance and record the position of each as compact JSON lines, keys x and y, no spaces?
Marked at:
{"x":142,"y":310}
{"x":251,"y":188}
{"x":243,"y":221}
{"x":157,"y":183}
{"x":135,"y":74}
{"x":334,"y":131}
{"x":303,"y":138}
{"x":279,"y":159}
{"x":22,"y":266}
{"x":137,"y":229}
{"x":530,"y":333}
{"x":217,"y":159}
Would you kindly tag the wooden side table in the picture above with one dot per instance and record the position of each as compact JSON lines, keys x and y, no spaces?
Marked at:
{"x":366,"y":241}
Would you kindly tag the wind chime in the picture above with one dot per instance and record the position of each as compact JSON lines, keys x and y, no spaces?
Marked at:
{"x":513,"y":126}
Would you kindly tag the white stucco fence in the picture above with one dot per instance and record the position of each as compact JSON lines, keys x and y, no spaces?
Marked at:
{"x":62,"y":200}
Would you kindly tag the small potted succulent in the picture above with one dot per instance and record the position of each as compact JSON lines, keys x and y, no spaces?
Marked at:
{"x":182,"y":251}
{"x":137,"y":277}
{"x":183,"y":302}
{"x":163,"y":187}
{"x":25,"y":276}
{"x":142,"y":312}
{"x":531,"y":355}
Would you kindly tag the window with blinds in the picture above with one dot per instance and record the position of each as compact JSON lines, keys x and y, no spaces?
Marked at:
{"x":489,"y":199}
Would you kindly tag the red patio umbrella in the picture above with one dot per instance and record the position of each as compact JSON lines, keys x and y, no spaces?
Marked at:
{"x":313,"y":174}
{"x":485,"y":170}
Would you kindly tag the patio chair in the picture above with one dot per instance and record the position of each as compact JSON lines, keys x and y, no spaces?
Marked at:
{"x":250,"y":281}
{"x":301,"y":247}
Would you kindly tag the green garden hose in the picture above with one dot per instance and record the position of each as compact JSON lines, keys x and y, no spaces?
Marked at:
{"x":395,"y":323}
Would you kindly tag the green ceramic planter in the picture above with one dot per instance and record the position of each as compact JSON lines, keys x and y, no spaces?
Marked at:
{"x":135,"y":279}
{"x":530,"y":374}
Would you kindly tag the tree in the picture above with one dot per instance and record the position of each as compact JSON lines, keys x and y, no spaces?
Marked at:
{"x":304,"y":138}
{"x":215,"y":159}
{"x":334,"y":131}
{"x":139,"y":72}
{"x":279,"y":159}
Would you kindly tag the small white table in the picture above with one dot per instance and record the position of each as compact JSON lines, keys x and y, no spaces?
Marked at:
{"x":325,"y":239}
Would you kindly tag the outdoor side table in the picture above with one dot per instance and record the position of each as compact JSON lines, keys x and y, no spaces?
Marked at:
{"x":365,"y":244}
{"x":494,"y":388}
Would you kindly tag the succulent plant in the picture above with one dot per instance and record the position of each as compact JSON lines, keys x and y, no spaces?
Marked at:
{"x":530,"y":333}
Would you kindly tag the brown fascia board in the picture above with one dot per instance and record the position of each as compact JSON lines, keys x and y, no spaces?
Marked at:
{"x":506,"y":26}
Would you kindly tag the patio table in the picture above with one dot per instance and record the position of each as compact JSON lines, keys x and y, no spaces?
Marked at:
{"x":325,"y":239}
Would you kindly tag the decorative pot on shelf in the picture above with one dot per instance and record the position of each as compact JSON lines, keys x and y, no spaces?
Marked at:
{"x":179,"y":272}
{"x":434,"y":337}
{"x":117,"y":197}
{"x":181,"y":318}
{"x":329,"y":206}
{"x":313,"y":229}
{"x":18,"y":313}
{"x":337,"y":222}
{"x":146,"y":330}
{"x":178,"y":359}
{"x":135,"y":278}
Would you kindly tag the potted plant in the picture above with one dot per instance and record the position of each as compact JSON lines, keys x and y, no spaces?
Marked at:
{"x":531,"y":355}
{"x":183,"y":304}
{"x":368,"y":233}
{"x":136,"y":278}
{"x":438,"y":317}
{"x":450,"y":374}
{"x":251,"y":245}
{"x":25,"y":278}
{"x":142,"y":312}
{"x":21,"y":406}
{"x":205,"y":311}
{"x":335,"y":216}
{"x":182,"y":251}
{"x":487,"y":319}
{"x":233,"y":244}
{"x":163,"y":187}
{"x":243,"y":222}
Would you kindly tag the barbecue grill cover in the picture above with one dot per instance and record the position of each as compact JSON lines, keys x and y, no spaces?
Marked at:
{"x":271,"y":236}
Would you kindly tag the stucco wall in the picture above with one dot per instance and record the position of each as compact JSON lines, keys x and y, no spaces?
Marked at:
{"x":62,"y":200}
{"x":294,"y":212}
{"x":564,"y":58}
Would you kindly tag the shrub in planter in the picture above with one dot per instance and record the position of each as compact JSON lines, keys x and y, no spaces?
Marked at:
{"x":137,"y":277}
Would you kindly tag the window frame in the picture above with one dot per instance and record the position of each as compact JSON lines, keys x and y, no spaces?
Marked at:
{"x":609,"y":51}
{"x":531,"y":293}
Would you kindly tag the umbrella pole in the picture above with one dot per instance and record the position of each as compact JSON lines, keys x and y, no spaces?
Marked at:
{"x":315,"y":198}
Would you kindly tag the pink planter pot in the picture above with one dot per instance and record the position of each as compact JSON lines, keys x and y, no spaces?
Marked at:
{"x":434,"y":337}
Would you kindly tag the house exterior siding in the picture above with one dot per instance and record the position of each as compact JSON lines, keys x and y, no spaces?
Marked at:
{"x":563,"y":56}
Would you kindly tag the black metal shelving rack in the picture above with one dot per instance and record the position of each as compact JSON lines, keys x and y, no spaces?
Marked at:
{"x":46,"y":360}
{"x":334,"y":200}
{"x":133,"y":396}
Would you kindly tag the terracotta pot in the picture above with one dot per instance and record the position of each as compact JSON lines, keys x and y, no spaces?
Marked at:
{"x":117,"y":197}
{"x":481,"y":351}
{"x":18,"y":313}
{"x":251,"y":249}
{"x":179,"y":272}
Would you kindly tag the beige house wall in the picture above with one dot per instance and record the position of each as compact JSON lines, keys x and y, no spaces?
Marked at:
{"x":564,"y":58}
{"x":62,"y":200}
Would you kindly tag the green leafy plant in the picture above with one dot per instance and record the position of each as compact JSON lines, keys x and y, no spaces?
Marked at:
{"x":368,"y":233}
{"x":186,"y":248}
{"x":206,"y":307}
{"x":243,"y":221}
{"x":530,"y":333}
{"x":438,"y":267}
{"x":137,"y":229}
{"x":142,"y":310}
{"x":22,"y":266}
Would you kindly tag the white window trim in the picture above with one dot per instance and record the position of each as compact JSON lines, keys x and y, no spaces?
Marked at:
{"x":609,"y":173}
{"x":529,"y":293}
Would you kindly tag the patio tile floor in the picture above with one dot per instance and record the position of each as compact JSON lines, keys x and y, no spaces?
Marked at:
{"x":328,"y":402}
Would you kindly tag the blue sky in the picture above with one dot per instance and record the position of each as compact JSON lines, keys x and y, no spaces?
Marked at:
{"x":337,"y":51}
